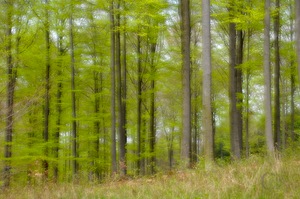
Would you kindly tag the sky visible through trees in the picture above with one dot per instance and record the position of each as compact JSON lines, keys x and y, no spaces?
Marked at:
{"x":95,"y":88}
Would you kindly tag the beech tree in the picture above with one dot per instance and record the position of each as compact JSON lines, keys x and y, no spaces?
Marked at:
{"x":185,"y":50}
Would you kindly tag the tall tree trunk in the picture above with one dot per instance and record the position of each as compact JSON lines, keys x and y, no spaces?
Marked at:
{"x":113,"y":108}
{"x":123,"y":135}
{"x":139,"y":106}
{"x":234,"y":121}
{"x":121,"y":116}
{"x":185,"y":51}
{"x":58,"y":106}
{"x":247,"y":116}
{"x":267,"y":85}
{"x":277,"y":137}
{"x":297,"y":33}
{"x":207,"y":88}
{"x":239,"y":86}
{"x":10,"y":94}
{"x":293,"y":70}
{"x":47,"y":90}
{"x":152,"y":111}
{"x":73,"y":90}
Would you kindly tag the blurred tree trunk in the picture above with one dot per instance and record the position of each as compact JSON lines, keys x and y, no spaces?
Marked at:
{"x":120,"y":96}
{"x":139,"y":107}
{"x":185,"y":53}
{"x":267,"y":76}
{"x":47,"y":90}
{"x":297,"y":33}
{"x":234,"y":115}
{"x":11,"y":74}
{"x":113,"y":108}
{"x":277,"y":133}
{"x":73,"y":89}
{"x":152,"y":111}
{"x":207,"y":87}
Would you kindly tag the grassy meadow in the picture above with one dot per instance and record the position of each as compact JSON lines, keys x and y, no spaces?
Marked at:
{"x":254,"y":177}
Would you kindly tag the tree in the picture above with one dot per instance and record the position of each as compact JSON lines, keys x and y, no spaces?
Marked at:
{"x":207,"y":105}
{"x":47,"y":88}
{"x":11,"y":74}
{"x":73,"y":97}
{"x":277,"y":137}
{"x":235,"y":134}
{"x":120,"y":95}
{"x":297,"y":34}
{"x":267,"y":78}
{"x":185,"y":50}
{"x":113,"y":112}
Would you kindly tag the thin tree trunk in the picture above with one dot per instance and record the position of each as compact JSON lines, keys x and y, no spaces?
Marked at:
{"x":47,"y":90}
{"x":267,"y":86}
{"x":58,"y":107}
{"x":185,"y":51}
{"x":277,"y":137}
{"x":207,"y":87}
{"x":297,"y":33}
{"x":123,"y":135}
{"x":152,"y":111}
{"x":139,"y":106}
{"x":293,"y":70}
{"x":247,"y":117}
{"x":10,"y":95}
{"x":113,"y":111}
{"x":73,"y":88}
{"x":122,"y":130}
{"x":239,"y":86}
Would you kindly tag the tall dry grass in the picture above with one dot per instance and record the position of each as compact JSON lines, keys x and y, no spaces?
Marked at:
{"x":251,"y":178}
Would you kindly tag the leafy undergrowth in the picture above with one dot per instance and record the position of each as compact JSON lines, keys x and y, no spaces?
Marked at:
{"x":251,"y":178}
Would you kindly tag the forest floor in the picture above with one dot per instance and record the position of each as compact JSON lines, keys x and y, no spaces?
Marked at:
{"x":254,"y":177}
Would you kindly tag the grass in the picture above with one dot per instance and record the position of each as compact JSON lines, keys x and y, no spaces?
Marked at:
{"x":250,"y":178}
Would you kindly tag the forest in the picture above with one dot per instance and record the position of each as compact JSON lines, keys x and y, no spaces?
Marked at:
{"x":92,"y":90}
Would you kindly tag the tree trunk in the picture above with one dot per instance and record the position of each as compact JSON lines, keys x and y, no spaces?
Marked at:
{"x":152,"y":111}
{"x":297,"y":33}
{"x":47,"y":91}
{"x":267,"y":85}
{"x":185,"y":51}
{"x":10,"y":95}
{"x":234,"y":122}
{"x":207,"y":88}
{"x":73,"y":89}
{"x":58,"y":105}
{"x":113,"y":111}
{"x":139,"y":106}
{"x":120,"y":99}
{"x":293,"y":72}
{"x":277,"y":137}
{"x":239,"y":86}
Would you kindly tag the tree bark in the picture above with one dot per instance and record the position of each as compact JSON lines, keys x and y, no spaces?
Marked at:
{"x":120,"y":97}
{"x":267,"y":85}
{"x":58,"y":106}
{"x":113,"y":111}
{"x":185,"y":51}
{"x":277,"y":133}
{"x":73,"y":97}
{"x":297,"y":34}
{"x":207,"y":88}
{"x":139,"y":107}
{"x":234,"y":120}
{"x":152,"y":111}
{"x":47,"y":90}
{"x":10,"y":94}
